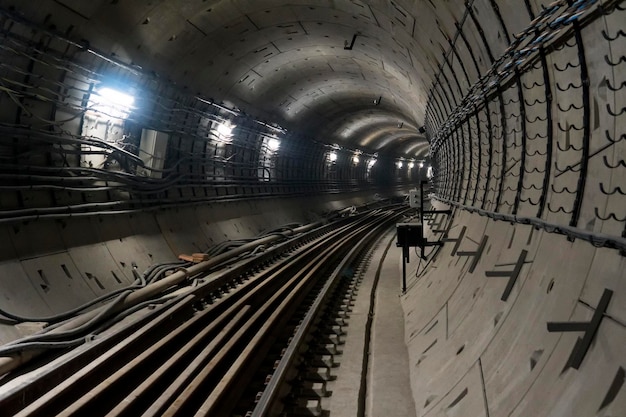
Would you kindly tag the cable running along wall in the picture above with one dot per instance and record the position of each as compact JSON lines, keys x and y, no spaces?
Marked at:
{"x":538,"y":137}
{"x":65,"y":152}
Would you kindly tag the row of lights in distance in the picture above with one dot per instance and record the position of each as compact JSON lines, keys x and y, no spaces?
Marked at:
{"x":225,"y":131}
{"x":118,"y":105}
{"x":332,"y":157}
{"x":411,"y":164}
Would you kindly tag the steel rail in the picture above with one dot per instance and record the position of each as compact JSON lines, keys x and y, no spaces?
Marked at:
{"x":198,"y":358}
{"x":49,"y":404}
{"x":16,"y":396}
{"x":144,"y":294}
{"x":211,"y":405}
{"x":186,"y":377}
{"x":270,"y":394}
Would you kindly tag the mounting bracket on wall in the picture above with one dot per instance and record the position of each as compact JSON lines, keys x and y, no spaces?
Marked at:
{"x":590,"y":328}
{"x":348,"y":46}
{"x":411,"y":235}
{"x":511,"y":275}
{"x":429,"y":212}
{"x":475,"y":254}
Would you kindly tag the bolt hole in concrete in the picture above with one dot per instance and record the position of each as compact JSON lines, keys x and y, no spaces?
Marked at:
{"x":497,"y":318}
{"x":429,"y":400}
{"x":67,"y":272}
{"x":460,"y":350}
{"x":534,"y":358}
{"x":550,"y":286}
{"x":420,"y":360}
{"x":459,"y":398}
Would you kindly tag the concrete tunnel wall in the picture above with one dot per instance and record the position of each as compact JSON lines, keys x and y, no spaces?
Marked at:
{"x":532,"y":170}
{"x":49,"y":266}
{"x":537,"y":230}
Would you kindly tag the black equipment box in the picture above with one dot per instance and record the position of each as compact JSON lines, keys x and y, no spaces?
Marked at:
{"x":410,"y":235}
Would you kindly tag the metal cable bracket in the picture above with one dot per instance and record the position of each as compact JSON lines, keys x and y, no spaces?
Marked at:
{"x":512,"y":275}
{"x":477,"y":254}
{"x":590,"y":328}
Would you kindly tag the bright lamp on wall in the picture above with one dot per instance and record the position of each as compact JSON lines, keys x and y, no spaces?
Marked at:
{"x":113,"y":103}
{"x":273,"y":144}
{"x":225,"y":129}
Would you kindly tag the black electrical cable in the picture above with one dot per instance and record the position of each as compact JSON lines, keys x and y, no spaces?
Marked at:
{"x":47,"y":336}
{"x":9,"y":350}
{"x":129,"y":311}
{"x":73,"y":312}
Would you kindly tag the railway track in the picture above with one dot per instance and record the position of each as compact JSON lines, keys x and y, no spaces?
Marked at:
{"x":199,"y":352}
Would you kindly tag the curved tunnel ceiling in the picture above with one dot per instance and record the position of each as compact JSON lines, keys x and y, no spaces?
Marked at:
{"x":526,"y":119}
{"x":349,"y":65}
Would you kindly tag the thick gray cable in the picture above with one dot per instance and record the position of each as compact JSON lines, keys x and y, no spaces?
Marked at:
{"x":596,"y":239}
{"x":52,"y":336}
{"x":70,"y":313}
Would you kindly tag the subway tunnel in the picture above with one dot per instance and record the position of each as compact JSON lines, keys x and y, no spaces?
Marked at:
{"x":136,"y":131}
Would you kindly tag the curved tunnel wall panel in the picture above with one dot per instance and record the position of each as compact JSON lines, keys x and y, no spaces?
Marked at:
{"x":545,"y":140}
{"x":456,"y":321}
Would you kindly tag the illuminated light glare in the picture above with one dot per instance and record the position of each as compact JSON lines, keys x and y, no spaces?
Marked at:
{"x":411,"y":165}
{"x":355,"y":159}
{"x":421,"y":165}
{"x":332,"y":156}
{"x":225,"y":129}
{"x":273,"y":144}
{"x":371,"y":163}
{"x":112,"y":102}
{"x":429,"y":172}
{"x":399,"y":164}
{"x":117,"y":97}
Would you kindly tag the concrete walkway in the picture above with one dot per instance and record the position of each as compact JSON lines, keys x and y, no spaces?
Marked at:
{"x":387,"y":392}
{"x":389,"y":388}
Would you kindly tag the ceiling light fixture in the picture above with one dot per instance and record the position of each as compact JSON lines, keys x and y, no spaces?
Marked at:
{"x":332,"y":156}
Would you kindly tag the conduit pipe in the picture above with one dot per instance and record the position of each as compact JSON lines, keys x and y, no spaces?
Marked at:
{"x":151,"y":290}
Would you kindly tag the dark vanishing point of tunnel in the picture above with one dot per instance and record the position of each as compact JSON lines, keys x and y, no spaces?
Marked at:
{"x":135,"y":131}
